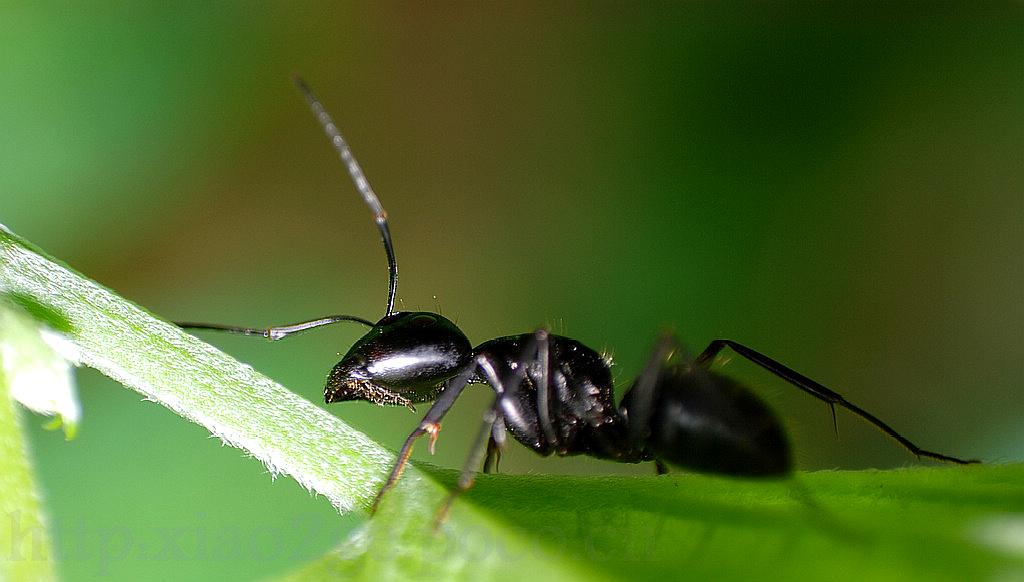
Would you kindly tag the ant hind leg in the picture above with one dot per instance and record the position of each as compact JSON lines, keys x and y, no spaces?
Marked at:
{"x":820,"y":392}
{"x":641,"y":396}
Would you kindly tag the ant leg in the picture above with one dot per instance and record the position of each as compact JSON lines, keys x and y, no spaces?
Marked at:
{"x":491,"y":418}
{"x":540,"y":337}
{"x":495,"y":444}
{"x":493,"y":457}
{"x":642,"y":393}
{"x":660,"y":468}
{"x":820,"y":392}
{"x":431,"y":424}
{"x":468,"y":474}
{"x":277,"y":332}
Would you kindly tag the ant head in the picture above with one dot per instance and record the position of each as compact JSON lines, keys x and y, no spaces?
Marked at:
{"x":407,"y":357}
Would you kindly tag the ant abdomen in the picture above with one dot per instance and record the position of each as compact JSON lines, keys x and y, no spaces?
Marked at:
{"x":703,"y":421}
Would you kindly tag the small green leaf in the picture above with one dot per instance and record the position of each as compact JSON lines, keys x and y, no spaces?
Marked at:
{"x":38,"y":362}
{"x":25,"y":550}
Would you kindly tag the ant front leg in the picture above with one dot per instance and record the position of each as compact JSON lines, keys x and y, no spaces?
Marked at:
{"x":431,"y":424}
{"x":820,"y":392}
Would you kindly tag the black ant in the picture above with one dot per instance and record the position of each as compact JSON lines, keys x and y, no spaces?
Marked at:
{"x":553,"y":393}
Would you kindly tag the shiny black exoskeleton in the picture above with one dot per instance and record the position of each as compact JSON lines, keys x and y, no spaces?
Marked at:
{"x":552,"y":393}
{"x":555,"y":396}
{"x":405,"y":358}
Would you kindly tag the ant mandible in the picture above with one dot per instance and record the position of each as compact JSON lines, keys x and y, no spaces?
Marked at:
{"x":554,"y":394}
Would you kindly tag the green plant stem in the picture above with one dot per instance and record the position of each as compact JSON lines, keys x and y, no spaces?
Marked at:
{"x":245,"y":409}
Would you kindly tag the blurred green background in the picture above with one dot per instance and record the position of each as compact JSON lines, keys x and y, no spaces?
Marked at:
{"x":840,"y":187}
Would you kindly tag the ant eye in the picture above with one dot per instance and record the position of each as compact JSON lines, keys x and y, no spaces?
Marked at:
{"x":424,"y":320}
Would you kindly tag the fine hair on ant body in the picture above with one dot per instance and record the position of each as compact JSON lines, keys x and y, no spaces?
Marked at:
{"x":554,"y":394}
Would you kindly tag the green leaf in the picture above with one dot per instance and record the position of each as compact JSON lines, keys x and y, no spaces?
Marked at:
{"x":922,"y":523}
{"x":926,"y":523}
{"x":38,"y":362}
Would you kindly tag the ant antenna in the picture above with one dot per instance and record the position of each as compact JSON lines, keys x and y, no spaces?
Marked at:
{"x":361,"y":183}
